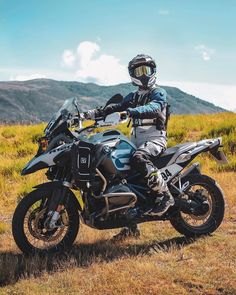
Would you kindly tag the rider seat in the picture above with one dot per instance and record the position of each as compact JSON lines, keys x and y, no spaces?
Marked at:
{"x":169,"y":156}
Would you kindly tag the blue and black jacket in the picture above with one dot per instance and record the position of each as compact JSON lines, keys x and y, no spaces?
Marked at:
{"x":145,"y":107}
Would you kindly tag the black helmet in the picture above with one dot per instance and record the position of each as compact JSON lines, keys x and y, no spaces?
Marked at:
{"x":142,"y":70}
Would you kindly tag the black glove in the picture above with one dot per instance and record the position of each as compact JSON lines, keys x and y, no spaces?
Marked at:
{"x":92,"y":114}
{"x":99,"y":113}
{"x":108,"y":110}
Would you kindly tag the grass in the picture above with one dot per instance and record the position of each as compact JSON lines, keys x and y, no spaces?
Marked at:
{"x":160,"y":262}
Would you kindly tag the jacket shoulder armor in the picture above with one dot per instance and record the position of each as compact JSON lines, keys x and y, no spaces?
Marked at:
{"x":128,"y":97}
{"x":159,"y":93}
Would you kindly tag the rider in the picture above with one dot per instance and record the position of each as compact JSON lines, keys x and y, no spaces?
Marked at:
{"x":148,"y":109}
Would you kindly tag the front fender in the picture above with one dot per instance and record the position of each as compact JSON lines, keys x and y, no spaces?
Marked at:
{"x":49,"y":185}
{"x":56,"y":184}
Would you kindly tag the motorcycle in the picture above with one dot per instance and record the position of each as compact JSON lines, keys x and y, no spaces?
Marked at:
{"x":97,"y":165}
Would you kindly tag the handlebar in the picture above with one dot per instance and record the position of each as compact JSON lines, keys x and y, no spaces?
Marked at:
{"x":112,"y":119}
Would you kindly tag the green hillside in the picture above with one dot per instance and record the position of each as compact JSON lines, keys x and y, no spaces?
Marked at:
{"x":36,"y":100}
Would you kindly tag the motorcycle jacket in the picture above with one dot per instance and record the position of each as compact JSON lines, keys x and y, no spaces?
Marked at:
{"x":145,"y":107}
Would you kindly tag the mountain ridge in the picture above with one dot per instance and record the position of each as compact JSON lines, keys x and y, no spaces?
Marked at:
{"x":34,"y":101}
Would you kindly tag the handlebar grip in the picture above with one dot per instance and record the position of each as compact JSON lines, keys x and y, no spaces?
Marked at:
{"x":123,"y":115}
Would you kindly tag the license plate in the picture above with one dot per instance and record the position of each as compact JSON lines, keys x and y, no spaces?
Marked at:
{"x":220,"y":157}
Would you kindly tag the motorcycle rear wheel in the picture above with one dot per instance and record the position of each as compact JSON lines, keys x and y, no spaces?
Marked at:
{"x":208,"y":222}
{"x":28,"y":228}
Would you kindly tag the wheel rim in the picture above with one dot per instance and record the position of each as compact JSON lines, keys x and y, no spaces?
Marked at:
{"x":37,"y":235}
{"x":196,"y":221}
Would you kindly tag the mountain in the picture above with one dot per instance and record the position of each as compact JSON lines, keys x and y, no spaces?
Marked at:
{"x":36,"y":100}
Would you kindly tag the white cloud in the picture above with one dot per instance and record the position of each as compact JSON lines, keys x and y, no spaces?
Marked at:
{"x":163,"y":12}
{"x":68,"y":58}
{"x":85,"y":51}
{"x":105,"y":70}
{"x":101,"y":68}
{"x":206,"y":52}
{"x":222,"y":95}
{"x":23,"y":77}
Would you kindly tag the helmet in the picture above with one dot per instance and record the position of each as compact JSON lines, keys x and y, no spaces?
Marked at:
{"x":142,"y":70}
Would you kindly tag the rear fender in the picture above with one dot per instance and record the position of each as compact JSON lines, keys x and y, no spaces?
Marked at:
{"x":202,"y":146}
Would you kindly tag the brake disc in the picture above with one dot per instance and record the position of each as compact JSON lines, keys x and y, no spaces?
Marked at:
{"x":42,"y":233}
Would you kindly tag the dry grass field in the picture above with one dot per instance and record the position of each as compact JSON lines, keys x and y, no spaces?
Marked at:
{"x":161,"y":261}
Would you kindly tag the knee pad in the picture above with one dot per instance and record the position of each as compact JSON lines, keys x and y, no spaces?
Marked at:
{"x":139,"y":162}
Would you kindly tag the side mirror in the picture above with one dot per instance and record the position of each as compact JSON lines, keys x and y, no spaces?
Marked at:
{"x":112,"y":119}
{"x":117,"y":98}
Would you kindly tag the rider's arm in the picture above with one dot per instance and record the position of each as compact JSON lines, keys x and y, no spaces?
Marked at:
{"x":120,"y":107}
{"x":152,"y":109}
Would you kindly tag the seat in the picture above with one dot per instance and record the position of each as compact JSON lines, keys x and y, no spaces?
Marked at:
{"x":171,"y":154}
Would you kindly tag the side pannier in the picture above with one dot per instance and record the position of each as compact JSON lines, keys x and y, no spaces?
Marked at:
{"x":83,"y":161}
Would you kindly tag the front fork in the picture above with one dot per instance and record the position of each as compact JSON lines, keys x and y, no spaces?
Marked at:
{"x":56,"y":205}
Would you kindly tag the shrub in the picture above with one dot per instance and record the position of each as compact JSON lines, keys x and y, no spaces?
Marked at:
{"x":230,"y":167}
{"x":26,"y":149}
{"x":221,"y":130}
{"x":8,"y":133}
{"x":177,"y":135}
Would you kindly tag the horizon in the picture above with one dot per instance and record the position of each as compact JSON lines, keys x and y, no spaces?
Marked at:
{"x":111,"y":86}
{"x":93,"y":42}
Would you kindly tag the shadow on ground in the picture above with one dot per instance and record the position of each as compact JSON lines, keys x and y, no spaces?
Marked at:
{"x":16,"y":266}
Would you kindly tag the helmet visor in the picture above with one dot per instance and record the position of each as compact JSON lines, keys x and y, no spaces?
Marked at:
{"x":143,"y":70}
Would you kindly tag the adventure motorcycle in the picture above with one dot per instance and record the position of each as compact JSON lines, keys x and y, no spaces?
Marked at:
{"x":111,"y":195}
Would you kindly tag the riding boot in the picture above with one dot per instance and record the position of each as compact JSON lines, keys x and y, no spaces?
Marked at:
{"x":163,"y":200}
{"x":162,"y":204}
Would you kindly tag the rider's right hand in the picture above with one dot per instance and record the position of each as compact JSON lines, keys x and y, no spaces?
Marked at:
{"x":89,"y":115}
{"x":124,"y":115}
{"x":94,"y":114}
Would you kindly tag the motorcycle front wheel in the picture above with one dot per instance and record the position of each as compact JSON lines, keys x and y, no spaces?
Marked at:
{"x":205,"y":189}
{"x":29,"y":220}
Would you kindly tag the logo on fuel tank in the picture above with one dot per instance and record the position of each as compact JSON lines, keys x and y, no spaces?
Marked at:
{"x":121,"y":159}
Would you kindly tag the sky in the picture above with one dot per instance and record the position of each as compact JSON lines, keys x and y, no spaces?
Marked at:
{"x":193,"y":42}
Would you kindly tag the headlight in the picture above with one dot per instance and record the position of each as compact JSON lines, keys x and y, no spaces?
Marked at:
{"x":43,"y":144}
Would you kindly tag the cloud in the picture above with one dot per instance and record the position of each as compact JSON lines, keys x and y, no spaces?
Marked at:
{"x":85,"y":51}
{"x":206,"y":52}
{"x":90,"y":65}
{"x":222,"y":95}
{"x":27,"y":77}
{"x":163,"y":12}
{"x":68,"y":58}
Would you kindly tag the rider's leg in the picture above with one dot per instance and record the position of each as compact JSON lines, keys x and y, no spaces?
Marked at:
{"x":142,"y":162}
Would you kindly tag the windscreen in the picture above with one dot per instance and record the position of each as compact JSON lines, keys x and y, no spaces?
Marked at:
{"x":65,"y":113}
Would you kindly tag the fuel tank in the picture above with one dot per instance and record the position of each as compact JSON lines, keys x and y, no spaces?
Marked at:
{"x":118,"y":149}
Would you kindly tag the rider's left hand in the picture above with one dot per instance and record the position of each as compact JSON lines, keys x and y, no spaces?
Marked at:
{"x":124,"y":115}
